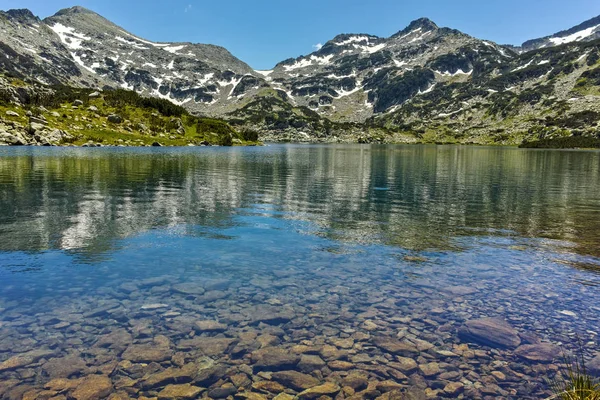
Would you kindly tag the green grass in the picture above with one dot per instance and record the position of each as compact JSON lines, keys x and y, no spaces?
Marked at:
{"x":145,"y":120}
{"x":575,"y":383}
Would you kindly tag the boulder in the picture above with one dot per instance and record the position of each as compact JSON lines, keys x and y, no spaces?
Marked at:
{"x":115,"y":119}
{"x":35,"y":127}
{"x":543,"y":352}
{"x":78,"y":103}
{"x":11,"y":140}
{"x":38,"y":120}
{"x":593,"y":367}
{"x":12,"y":113}
{"x":156,"y":144}
{"x":93,"y":108}
{"x":94,"y":95}
{"x":491,"y":332}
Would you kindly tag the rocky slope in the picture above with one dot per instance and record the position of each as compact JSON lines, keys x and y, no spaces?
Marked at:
{"x":424,"y":83}
{"x":37,"y":115}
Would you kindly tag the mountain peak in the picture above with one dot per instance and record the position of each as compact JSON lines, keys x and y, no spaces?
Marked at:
{"x":424,"y":24}
{"x":21,"y":14}
{"x":74,"y":10}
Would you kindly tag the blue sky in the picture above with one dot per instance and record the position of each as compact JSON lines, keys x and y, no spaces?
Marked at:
{"x":264,"y":32}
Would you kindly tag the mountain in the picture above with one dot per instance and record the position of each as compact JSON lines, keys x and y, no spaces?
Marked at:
{"x":423,"y":84}
{"x":584,"y":32}
{"x":77,"y":46}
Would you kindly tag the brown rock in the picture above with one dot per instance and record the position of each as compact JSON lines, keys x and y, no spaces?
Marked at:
{"x":454,"y":388}
{"x":210,"y":326}
{"x":93,"y":387}
{"x":145,"y":353}
{"x":395,"y":346}
{"x":356,"y":382}
{"x":430,"y":369}
{"x":326,"y":389}
{"x":62,"y":384}
{"x":274,"y":358}
{"x":22,"y":360}
{"x":388,"y":386}
{"x":179,"y":392}
{"x":170,"y":376}
{"x":295,"y":380}
{"x":338,"y":365}
{"x":210,"y":347}
{"x":406,"y":365}
{"x":309,"y":363}
{"x":268,"y":386}
{"x":65,"y":367}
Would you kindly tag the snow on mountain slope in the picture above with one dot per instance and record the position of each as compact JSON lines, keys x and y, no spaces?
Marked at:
{"x":586,"y":31}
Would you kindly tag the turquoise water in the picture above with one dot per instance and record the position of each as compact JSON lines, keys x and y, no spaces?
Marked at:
{"x":302,"y":246}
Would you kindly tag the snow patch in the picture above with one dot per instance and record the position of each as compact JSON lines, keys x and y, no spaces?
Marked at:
{"x":374,"y":49}
{"x":174,"y":49}
{"x":576,"y":37}
{"x":353,"y":39}
{"x":264,"y":73}
{"x":458,"y":72}
{"x":522,"y":66}
{"x":69,"y":36}
{"x":307,"y":62}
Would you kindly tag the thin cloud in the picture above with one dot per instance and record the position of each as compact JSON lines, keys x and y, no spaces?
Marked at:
{"x":188,"y":8}
{"x":318,"y":46}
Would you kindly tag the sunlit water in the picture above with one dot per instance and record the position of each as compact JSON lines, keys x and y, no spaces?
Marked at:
{"x":295,"y":247}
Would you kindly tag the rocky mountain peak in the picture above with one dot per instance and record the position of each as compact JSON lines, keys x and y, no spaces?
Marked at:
{"x":20,"y":15}
{"x":424,"y":24}
{"x":73,"y":10}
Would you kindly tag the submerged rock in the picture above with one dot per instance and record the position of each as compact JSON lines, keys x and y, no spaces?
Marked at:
{"x":274,"y":358}
{"x":491,"y":332}
{"x":544,"y":352}
{"x":93,"y":387}
{"x":179,"y":392}
{"x":295,"y":380}
{"x":593,"y":366}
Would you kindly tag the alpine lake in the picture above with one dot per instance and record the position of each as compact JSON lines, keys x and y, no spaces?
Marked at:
{"x":296,"y":271}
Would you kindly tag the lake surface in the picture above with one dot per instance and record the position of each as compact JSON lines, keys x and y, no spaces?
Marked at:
{"x":226,"y":268}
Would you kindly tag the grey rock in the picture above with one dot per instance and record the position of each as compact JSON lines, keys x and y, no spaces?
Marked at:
{"x":94,"y":95}
{"x":543,"y":352}
{"x":490,"y":332}
{"x":12,"y":113}
{"x":593,"y":366}
{"x":78,"y":103}
{"x":93,"y":108}
{"x":115,"y":119}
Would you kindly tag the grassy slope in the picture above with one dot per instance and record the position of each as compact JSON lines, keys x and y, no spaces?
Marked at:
{"x":144,"y":122}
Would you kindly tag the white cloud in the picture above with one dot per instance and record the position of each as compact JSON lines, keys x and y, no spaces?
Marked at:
{"x":188,"y":8}
{"x":317,"y":46}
